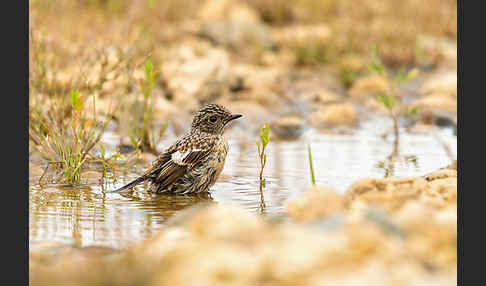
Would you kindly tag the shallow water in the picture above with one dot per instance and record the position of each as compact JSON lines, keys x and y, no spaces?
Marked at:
{"x":86,"y":215}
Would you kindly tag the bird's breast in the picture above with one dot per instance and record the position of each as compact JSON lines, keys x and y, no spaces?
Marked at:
{"x":221,"y":150}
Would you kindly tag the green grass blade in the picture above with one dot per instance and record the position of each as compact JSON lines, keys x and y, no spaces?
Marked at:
{"x":311,"y":166}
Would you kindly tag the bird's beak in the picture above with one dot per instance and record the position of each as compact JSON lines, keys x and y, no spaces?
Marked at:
{"x":234,"y":116}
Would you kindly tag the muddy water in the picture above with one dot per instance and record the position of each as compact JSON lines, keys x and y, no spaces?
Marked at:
{"x":87,"y":215}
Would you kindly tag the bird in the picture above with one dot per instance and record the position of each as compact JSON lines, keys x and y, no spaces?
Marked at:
{"x":194,"y":162}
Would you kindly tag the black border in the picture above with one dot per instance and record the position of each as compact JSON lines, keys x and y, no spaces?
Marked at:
{"x":14,"y":131}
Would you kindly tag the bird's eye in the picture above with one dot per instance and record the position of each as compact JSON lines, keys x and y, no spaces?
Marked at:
{"x":213,"y":119}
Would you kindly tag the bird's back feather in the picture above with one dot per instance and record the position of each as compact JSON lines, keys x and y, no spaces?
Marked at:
{"x":175,"y":162}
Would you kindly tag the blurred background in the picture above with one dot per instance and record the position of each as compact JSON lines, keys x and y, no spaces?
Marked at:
{"x":275,"y":53}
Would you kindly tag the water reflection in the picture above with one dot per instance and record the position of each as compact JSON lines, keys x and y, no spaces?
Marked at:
{"x":84,"y":215}
{"x":87,"y":215}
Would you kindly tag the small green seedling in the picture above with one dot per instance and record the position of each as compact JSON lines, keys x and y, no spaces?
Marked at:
{"x":395,"y":107}
{"x":149,"y":78}
{"x":391,"y":100}
{"x":311,"y":166}
{"x":75,"y":102}
{"x":264,"y":139}
{"x":107,"y":162}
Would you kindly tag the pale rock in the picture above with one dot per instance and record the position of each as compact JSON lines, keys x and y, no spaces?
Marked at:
{"x":327,"y":96}
{"x":233,"y":23}
{"x":227,"y":223}
{"x":437,"y":102}
{"x":215,"y":10}
{"x":194,"y":76}
{"x":442,"y":84}
{"x":287,"y":127}
{"x":391,"y":193}
{"x":317,"y":202}
{"x":436,"y":51}
{"x":302,"y":34}
{"x":370,"y":86}
{"x":334,"y":114}
{"x":441,"y":192}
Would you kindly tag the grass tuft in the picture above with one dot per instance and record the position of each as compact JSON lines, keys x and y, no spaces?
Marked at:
{"x":64,"y":135}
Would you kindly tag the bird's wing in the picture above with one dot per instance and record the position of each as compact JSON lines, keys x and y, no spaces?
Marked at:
{"x":170,"y":169}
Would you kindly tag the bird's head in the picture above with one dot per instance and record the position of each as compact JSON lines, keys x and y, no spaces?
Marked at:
{"x":212,"y":118}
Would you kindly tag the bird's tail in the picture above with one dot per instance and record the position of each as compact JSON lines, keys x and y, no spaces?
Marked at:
{"x":131,"y":184}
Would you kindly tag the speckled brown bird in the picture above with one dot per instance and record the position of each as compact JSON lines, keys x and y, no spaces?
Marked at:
{"x":194,"y":162}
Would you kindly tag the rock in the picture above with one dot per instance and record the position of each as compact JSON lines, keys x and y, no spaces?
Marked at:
{"x":259,"y":84}
{"x":228,"y":223}
{"x":431,"y":235}
{"x":436,"y":51}
{"x":280,"y":58}
{"x":370,"y":86}
{"x":333,"y":114}
{"x":196,"y":73}
{"x":297,"y":35}
{"x":318,"y":202}
{"x":443,"y":173}
{"x":234,"y":24}
{"x":437,"y":102}
{"x":438,"y":190}
{"x":442,"y":84}
{"x":391,"y":193}
{"x":287,"y":128}
{"x":228,"y":265}
{"x":236,"y":34}
{"x":310,"y":43}
{"x":327,"y":96}
{"x":441,"y":118}
{"x":216,"y":10}
{"x":292,"y":265}
{"x":441,"y":192}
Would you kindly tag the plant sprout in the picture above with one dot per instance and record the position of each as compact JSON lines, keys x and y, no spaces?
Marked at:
{"x":390,"y":100}
{"x":395,"y":107}
{"x":311,"y":166}
{"x":264,"y":139}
